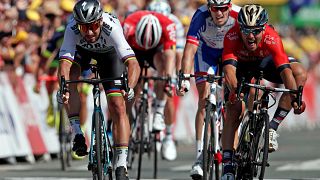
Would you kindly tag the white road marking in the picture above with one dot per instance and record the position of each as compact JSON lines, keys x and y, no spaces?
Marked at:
{"x":312,"y":165}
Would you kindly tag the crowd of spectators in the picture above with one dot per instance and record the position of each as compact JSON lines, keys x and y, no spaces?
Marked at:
{"x":27,"y":25}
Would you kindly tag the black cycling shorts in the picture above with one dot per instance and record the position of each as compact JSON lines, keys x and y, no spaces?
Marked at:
{"x":108,"y":63}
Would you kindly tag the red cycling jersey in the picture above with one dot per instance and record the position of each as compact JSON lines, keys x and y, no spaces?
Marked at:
{"x":168,"y":37}
{"x":270,"y":44}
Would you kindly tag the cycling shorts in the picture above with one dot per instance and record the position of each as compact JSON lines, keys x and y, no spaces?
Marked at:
{"x":204,"y":61}
{"x":109,"y":66}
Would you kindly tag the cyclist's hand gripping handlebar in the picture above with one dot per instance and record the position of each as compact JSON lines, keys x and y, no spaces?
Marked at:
{"x":63,"y":93}
{"x":183,"y":83}
{"x":127,"y":92}
{"x":298,"y":105}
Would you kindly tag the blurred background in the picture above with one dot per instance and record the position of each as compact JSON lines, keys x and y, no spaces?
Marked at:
{"x":32,"y":30}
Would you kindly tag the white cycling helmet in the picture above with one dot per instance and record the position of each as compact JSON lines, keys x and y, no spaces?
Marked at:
{"x":148,"y":32}
{"x":218,"y":2}
{"x":160,"y":6}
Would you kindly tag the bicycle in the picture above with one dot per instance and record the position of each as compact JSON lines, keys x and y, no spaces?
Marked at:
{"x":142,"y":139}
{"x":252,"y":152}
{"x":100,"y":153}
{"x":212,"y":125}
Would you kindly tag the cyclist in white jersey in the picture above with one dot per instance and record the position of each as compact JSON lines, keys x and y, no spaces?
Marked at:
{"x":203,"y":50}
{"x":93,"y":34}
{"x":168,"y":149}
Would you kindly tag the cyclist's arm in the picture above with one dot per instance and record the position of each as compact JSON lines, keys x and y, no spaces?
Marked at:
{"x":230,"y":76}
{"x":288,"y":79}
{"x":187,"y":61}
{"x":126,"y":53}
{"x":133,"y":71}
{"x":64,"y":68}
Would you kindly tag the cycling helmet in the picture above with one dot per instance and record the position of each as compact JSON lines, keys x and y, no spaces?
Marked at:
{"x":218,"y":2}
{"x":252,"y":16}
{"x":160,"y":6}
{"x":148,"y":31}
{"x":87,"y":11}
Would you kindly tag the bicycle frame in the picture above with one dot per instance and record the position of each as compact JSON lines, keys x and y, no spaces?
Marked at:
{"x":254,"y":141}
{"x":100,"y":152}
{"x":142,"y":123}
{"x":211,"y":145}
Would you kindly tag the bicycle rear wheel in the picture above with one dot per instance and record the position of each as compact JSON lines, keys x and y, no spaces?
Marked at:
{"x":262,"y":144}
{"x":242,"y":155}
{"x":141,"y":118}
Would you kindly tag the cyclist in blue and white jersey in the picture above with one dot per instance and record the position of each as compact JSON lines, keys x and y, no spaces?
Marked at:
{"x":168,"y":149}
{"x":203,"y":50}
{"x":93,"y":34}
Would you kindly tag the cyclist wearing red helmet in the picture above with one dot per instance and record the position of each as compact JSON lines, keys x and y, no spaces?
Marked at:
{"x":152,"y":36}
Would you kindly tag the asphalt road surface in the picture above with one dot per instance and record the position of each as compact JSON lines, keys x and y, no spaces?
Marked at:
{"x":298,"y":157}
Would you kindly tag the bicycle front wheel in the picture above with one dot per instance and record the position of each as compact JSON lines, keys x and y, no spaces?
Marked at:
{"x":262,"y":144}
{"x":64,"y":139}
{"x":207,"y":153}
{"x":98,"y":170}
{"x":242,"y":155}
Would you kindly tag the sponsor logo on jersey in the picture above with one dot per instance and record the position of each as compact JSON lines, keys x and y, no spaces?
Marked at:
{"x":106,"y":28}
{"x":270,"y":40}
{"x":232,"y":36}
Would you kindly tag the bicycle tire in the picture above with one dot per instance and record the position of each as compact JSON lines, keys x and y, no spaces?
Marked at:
{"x":156,"y":139}
{"x":262,"y":144}
{"x":242,"y":150}
{"x":62,"y":140}
{"x":142,"y":117}
{"x":214,"y":165}
{"x":98,"y":171}
{"x":206,"y":151}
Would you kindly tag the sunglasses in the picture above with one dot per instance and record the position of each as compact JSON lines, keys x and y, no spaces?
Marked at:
{"x":254,"y":31}
{"x":219,"y":8}
{"x":90,"y":26}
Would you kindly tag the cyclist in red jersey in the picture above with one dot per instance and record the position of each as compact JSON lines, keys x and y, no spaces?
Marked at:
{"x":152,"y":37}
{"x":253,"y":46}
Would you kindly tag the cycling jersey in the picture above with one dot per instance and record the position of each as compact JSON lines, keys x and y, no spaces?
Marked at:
{"x":168,"y":37}
{"x":111,"y":37}
{"x":209,"y":38}
{"x":270,"y":45}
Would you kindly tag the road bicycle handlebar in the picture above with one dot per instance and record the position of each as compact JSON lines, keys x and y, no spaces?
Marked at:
{"x":93,"y":81}
{"x":207,"y":76}
{"x":270,"y":89}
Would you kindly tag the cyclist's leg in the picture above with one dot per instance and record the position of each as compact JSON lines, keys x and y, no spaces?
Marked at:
{"x":163,"y":67}
{"x":110,"y":67}
{"x":284,"y":106}
{"x":234,"y":112}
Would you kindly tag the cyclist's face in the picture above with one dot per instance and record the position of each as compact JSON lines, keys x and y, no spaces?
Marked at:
{"x":251,"y":37}
{"x":91,"y":31}
{"x":220,"y":14}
